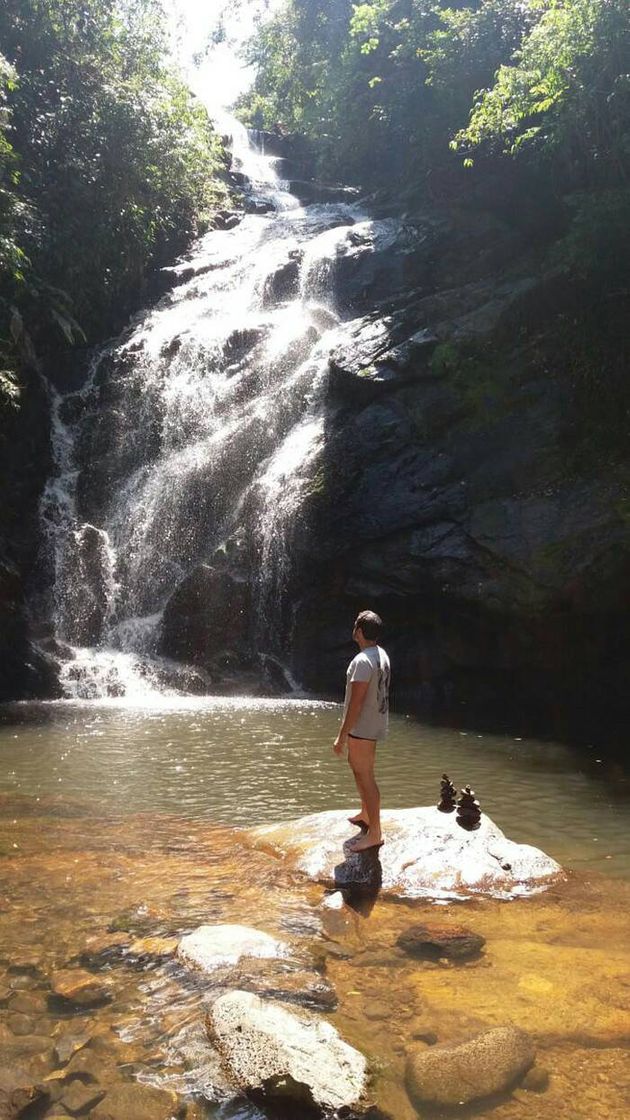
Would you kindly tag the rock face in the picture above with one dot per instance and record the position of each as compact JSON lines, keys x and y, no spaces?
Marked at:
{"x":278,"y":1056}
{"x":24,"y":465}
{"x":425,"y":855}
{"x":455,"y":1075}
{"x":209,"y":610}
{"x":430,"y":942}
{"x":210,"y":947}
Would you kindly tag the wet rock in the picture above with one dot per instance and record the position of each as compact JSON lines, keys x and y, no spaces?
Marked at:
{"x":258,"y":206}
{"x":137,"y":1102}
{"x":104,"y":948}
{"x":369,"y":360}
{"x":68,"y":1045}
{"x":20,"y":1024}
{"x":79,"y":988}
{"x":19,"y":1048}
{"x":78,"y":1097}
{"x":308,"y":190}
{"x":286,"y":981}
{"x":282,"y":284}
{"x":85,"y":578}
{"x":226,"y":219}
{"x":536,"y":1080}
{"x":433,"y":941}
{"x":152,"y":948}
{"x":209,"y":610}
{"x":29,"y":1003}
{"x":90,"y":1065}
{"x":139,"y":921}
{"x":18,"y":1092}
{"x":210,"y":947}
{"x":454,"y":1075}
{"x":279,"y":1056}
{"x":426,"y":854}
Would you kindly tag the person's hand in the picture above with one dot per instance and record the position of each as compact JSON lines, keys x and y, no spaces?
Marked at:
{"x":339,"y":744}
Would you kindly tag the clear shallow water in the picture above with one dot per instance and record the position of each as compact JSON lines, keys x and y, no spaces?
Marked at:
{"x":120,"y":822}
{"x":244,"y":761}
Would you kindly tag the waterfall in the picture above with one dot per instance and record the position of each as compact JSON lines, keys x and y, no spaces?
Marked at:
{"x":181,"y":465}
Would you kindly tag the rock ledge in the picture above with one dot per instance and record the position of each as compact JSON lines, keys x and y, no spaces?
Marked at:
{"x":426,"y":855}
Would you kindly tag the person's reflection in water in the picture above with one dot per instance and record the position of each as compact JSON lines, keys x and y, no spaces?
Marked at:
{"x":359,"y":878}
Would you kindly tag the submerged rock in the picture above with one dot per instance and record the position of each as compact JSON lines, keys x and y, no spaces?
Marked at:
{"x":210,"y":947}
{"x":432,"y":941}
{"x":17,"y":1093}
{"x":455,"y":1075}
{"x":426,"y":854}
{"x":130,"y":1101}
{"x":281,"y":1056}
{"x":80,"y":988}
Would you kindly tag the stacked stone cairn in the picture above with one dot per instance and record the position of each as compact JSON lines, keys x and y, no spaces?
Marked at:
{"x":448,"y":795}
{"x":468,"y":811}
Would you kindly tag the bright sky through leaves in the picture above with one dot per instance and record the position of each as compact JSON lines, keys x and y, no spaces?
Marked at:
{"x":215,"y":71}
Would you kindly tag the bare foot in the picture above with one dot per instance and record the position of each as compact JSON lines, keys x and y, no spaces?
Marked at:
{"x":359,"y":820}
{"x":368,"y":841}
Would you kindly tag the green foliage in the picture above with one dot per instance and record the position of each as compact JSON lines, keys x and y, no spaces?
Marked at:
{"x":107,"y":165}
{"x":565,"y":94}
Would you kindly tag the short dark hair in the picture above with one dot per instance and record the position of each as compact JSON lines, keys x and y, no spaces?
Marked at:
{"x":370,"y":624}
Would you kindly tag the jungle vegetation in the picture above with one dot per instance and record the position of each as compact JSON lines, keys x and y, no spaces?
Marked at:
{"x":107,"y":169}
{"x":522,"y":102}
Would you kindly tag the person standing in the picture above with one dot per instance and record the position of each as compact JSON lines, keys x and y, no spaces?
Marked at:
{"x":364,"y":722}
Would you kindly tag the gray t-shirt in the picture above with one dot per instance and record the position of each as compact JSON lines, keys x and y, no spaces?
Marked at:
{"x":371,"y":664}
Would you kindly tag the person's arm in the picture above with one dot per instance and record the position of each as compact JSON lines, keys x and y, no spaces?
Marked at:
{"x":358,"y":692}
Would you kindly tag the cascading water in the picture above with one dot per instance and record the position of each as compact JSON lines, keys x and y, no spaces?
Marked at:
{"x":181,"y":463}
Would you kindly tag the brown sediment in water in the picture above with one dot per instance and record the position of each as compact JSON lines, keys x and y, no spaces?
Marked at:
{"x":557,"y":964}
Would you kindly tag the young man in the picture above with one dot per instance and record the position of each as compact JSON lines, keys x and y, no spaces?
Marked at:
{"x":365,"y":715}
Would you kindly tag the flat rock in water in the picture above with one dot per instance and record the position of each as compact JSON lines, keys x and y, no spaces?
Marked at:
{"x":17,"y":1092}
{"x":131,"y":1101}
{"x":430,"y":942}
{"x":80,"y":988}
{"x":283,"y":1056}
{"x":426,"y":855}
{"x":455,"y":1075}
{"x":210,"y":947}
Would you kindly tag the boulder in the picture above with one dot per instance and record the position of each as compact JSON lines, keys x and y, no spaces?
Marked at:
{"x":207,"y":612}
{"x":455,"y":1075}
{"x":86,"y":576}
{"x":430,"y":942}
{"x":426,"y":855}
{"x":283,"y":1057}
{"x":282,"y":284}
{"x":82,"y":989}
{"x":211,"y":947}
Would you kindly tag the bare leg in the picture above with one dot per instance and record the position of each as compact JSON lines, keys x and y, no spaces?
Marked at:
{"x":361,"y":756}
{"x":362,"y":816}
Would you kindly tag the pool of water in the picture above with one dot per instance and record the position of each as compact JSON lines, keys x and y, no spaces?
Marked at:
{"x":246,"y":761}
{"x":120,"y":823}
